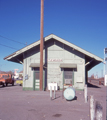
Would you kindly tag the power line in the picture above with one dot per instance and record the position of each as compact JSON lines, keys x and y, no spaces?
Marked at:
{"x":8,"y":46}
{"x":12,"y":40}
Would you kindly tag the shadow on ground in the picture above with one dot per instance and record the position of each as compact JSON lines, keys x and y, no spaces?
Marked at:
{"x":93,"y":86}
{"x":7,"y":86}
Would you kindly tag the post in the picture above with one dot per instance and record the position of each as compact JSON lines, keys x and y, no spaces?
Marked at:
{"x":98,"y":111}
{"x":85,"y":93}
{"x":54,"y":92}
{"x":92,"y":112}
{"x":105,"y":80}
{"x":50,"y":92}
{"x":41,"y":46}
{"x":106,"y":102}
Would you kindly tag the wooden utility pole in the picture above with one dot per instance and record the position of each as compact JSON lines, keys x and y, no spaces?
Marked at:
{"x":41,"y":45}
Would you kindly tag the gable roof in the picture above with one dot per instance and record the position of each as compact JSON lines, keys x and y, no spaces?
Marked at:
{"x":52,"y":36}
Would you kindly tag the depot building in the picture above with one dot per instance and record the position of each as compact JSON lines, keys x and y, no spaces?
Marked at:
{"x":63,"y":63}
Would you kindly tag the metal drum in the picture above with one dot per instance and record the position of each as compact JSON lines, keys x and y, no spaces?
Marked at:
{"x":69,"y":93}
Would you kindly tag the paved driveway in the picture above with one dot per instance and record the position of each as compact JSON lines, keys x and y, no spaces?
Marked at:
{"x":16,"y":104}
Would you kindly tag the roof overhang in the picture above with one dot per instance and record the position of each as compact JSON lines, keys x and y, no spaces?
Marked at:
{"x":18,"y":55}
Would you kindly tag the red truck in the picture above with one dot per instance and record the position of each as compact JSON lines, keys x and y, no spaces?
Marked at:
{"x":6,"y":79}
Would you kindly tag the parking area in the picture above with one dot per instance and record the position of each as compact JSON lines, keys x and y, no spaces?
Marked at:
{"x":16,"y":104}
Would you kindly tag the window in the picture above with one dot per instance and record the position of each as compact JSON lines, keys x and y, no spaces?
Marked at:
{"x":68,"y":76}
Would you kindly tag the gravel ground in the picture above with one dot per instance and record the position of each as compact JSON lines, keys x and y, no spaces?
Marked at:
{"x":16,"y":104}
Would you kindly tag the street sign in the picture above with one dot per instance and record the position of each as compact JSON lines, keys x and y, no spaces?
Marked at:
{"x":105,"y":50}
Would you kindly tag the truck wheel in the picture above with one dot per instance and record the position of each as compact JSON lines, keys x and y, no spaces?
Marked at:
{"x":3,"y":85}
{"x":13,"y":84}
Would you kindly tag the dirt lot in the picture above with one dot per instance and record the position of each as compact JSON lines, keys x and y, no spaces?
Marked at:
{"x":16,"y":104}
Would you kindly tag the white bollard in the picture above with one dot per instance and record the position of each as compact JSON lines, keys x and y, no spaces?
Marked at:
{"x":51,"y":92}
{"x":92,"y":111}
{"x":54,"y":92}
{"x":85,"y":93}
{"x":98,"y":111}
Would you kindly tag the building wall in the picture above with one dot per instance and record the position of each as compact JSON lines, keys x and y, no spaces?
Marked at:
{"x":59,"y":53}
{"x":32,"y":56}
{"x":55,"y":53}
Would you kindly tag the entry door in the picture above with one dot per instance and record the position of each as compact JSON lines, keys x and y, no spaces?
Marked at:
{"x":36,"y":80}
{"x":68,"y":77}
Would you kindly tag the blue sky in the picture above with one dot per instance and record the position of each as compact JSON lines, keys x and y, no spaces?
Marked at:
{"x":81,"y":22}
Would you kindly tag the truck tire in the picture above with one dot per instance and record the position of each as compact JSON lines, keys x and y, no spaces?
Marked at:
{"x":12,"y":83}
{"x":20,"y":84}
{"x":6,"y":84}
{"x":3,"y":85}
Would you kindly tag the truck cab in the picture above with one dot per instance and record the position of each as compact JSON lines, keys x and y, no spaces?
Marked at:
{"x":6,"y":79}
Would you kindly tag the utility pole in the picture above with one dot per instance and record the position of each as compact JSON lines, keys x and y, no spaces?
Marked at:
{"x":105,"y":75}
{"x":105,"y":66}
{"x":41,"y":45}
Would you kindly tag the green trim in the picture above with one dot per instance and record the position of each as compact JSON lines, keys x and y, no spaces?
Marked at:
{"x":73,"y":78}
{"x":36,"y":89}
{"x":27,"y":88}
{"x":34,"y":83}
{"x":33,"y":80}
{"x":79,"y":89}
{"x":63,"y":77}
{"x":31,"y":89}
{"x":43,"y":80}
{"x":61,"y":88}
{"x":75,"y":89}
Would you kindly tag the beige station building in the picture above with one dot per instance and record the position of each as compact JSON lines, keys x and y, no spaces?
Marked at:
{"x":63,"y":63}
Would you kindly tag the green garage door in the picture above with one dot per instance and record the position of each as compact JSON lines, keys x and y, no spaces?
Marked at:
{"x":36,"y":81}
